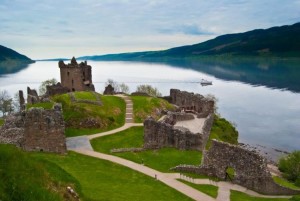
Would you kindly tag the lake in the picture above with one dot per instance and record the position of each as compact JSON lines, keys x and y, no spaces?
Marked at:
{"x":261,"y":99}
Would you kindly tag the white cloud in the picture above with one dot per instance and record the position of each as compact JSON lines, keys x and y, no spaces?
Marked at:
{"x":108,"y":26}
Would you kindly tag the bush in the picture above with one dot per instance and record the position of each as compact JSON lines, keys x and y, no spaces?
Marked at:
{"x":152,"y":91}
{"x":295,"y":198}
{"x":290,"y":166}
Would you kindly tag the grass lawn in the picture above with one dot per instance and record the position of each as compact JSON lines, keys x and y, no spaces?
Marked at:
{"x":210,"y":190}
{"x":285,"y":183}
{"x":109,"y":116}
{"x":46,"y":105}
{"x":1,"y":121}
{"x":162,"y":159}
{"x":103,"y":180}
{"x":144,"y":106}
{"x":199,"y":176}
{"x":83,"y":95}
{"x":223,"y":130}
{"x":23,"y":177}
{"x":239,"y":196}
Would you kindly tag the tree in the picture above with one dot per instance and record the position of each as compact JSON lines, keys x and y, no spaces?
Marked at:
{"x":124,"y":88}
{"x":290,"y":166}
{"x":152,"y":91}
{"x":6,"y":103}
{"x":43,"y":86}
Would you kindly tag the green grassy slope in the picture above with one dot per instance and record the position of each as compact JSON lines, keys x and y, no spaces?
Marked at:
{"x":23,"y":177}
{"x":144,"y":106}
{"x":107,"y":117}
{"x":239,"y":196}
{"x":103,"y":180}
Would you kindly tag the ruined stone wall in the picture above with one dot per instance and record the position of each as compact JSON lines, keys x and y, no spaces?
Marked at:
{"x":173,"y":117}
{"x":190,"y":101}
{"x":250,"y":168}
{"x":36,"y":130}
{"x":32,"y":96}
{"x":76,"y":77}
{"x":160,"y":134}
{"x":56,"y":89}
{"x":44,"y":131}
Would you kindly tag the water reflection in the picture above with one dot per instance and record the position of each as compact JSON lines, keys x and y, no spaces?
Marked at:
{"x":265,"y":116}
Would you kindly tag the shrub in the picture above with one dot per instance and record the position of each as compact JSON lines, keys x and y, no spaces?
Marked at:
{"x":152,"y":91}
{"x":290,"y":166}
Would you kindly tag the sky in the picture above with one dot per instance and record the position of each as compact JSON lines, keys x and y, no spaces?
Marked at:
{"x":43,"y":29}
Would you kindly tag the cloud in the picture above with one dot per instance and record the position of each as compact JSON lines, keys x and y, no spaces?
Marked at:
{"x":112,"y":23}
{"x":185,"y":29}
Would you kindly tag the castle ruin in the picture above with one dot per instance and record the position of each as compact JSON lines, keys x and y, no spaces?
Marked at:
{"x":250,"y":169}
{"x":178,"y":129}
{"x":76,"y":77}
{"x":36,"y":130}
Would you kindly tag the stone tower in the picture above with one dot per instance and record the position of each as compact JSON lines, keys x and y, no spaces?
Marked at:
{"x":76,"y":77}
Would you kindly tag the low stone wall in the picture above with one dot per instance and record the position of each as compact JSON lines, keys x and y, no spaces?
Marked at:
{"x":250,"y":168}
{"x":159,"y":134}
{"x":173,"y":117}
{"x":36,"y":130}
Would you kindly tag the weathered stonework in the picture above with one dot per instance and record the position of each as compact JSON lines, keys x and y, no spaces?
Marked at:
{"x":32,"y":96}
{"x":36,"y":130}
{"x":159,"y":134}
{"x":191,"y":102}
{"x":56,"y":89}
{"x":76,"y":77}
{"x":250,"y":168}
{"x":21,"y":100}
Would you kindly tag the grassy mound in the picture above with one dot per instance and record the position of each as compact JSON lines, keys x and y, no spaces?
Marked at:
{"x":239,"y":196}
{"x":23,"y":177}
{"x":85,"y":118}
{"x":103,"y":180}
{"x":1,"y":121}
{"x":223,"y":130}
{"x":162,"y":159}
{"x":205,"y":188}
{"x":145,"y":106}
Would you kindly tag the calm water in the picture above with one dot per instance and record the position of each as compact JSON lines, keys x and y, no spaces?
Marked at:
{"x":263,"y":115}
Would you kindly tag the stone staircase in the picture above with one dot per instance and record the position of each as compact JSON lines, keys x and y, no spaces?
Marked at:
{"x":129,"y":110}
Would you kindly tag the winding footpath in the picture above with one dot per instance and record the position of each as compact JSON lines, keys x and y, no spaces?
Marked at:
{"x":82,"y":145}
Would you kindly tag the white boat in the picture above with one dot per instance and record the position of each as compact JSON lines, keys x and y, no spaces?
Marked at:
{"x":204,"y":82}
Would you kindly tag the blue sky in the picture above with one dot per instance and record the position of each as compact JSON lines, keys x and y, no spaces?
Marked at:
{"x":63,"y":28}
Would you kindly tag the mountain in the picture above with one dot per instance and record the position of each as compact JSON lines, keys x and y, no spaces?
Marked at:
{"x":12,"y":61}
{"x":281,"y":41}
